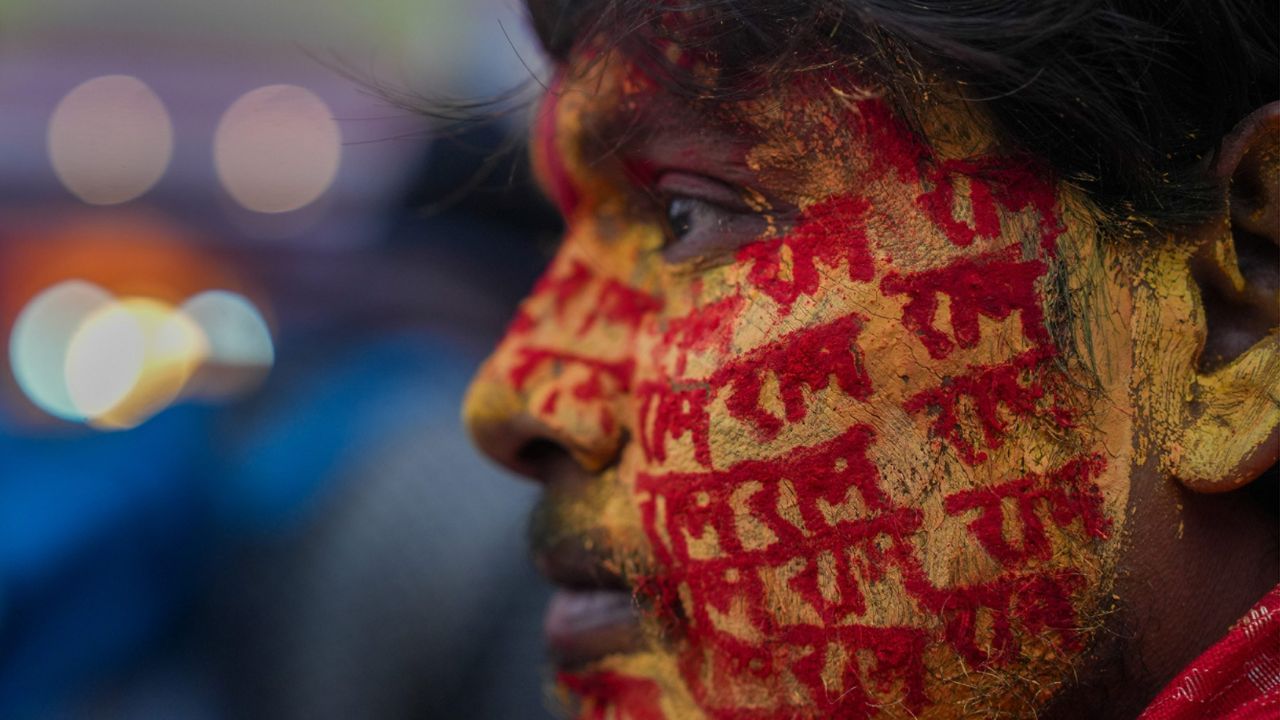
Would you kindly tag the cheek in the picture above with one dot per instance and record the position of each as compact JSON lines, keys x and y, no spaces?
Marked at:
{"x":858,"y":476}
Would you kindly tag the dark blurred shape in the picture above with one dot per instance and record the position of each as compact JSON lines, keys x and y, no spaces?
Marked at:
{"x":477,"y":186}
{"x":330,"y":545}
{"x":403,"y":599}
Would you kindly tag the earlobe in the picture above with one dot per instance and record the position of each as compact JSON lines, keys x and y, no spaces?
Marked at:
{"x":1232,"y":433}
{"x":1235,"y":435}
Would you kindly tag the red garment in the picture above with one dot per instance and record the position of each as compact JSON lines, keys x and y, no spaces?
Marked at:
{"x":1236,"y":679}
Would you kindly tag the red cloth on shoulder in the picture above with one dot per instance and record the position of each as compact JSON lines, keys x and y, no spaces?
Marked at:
{"x":1236,"y":679}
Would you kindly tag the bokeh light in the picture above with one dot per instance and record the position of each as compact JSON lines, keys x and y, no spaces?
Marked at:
{"x":41,"y":337}
{"x":104,"y":360}
{"x":82,"y":354}
{"x":130,"y":359}
{"x":277,"y":149}
{"x":241,"y":351}
{"x":237,"y":332}
{"x":110,"y":139}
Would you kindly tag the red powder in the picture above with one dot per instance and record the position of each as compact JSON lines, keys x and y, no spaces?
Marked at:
{"x":1016,"y":386}
{"x":1019,"y":184}
{"x":590,"y":391}
{"x":874,"y":544}
{"x":994,"y":182}
{"x":674,"y":413}
{"x":859,"y":547}
{"x":877,"y":540}
{"x":533,"y":358}
{"x":892,"y":147}
{"x":1067,"y":494}
{"x":620,"y":304}
{"x":550,"y":403}
{"x":559,"y":183}
{"x":832,"y":231}
{"x":804,"y":360}
{"x":1036,"y":601}
{"x":993,"y":285}
{"x":613,"y":305}
{"x":634,"y":698}
{"x":522,"y":324}
{"x":562,"y":288}
{"x":890,"y":661}
{"x":938,"y":204}
{"x":706,"y":328}
{"x":607,"y":422}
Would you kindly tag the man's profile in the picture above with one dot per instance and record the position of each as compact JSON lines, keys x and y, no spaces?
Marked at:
{"x":904,"y":360}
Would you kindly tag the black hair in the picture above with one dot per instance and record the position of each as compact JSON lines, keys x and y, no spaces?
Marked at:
{"x":1128,"y":99}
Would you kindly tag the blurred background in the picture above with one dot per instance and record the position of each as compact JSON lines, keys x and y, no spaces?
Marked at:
{"x":241,"y":293}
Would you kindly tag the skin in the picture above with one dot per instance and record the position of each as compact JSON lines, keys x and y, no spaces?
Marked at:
{"x":875,"y":438}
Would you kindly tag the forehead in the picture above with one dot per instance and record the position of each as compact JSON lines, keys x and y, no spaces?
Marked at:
{"x":932,"y":188}
{"x":822,"y":129}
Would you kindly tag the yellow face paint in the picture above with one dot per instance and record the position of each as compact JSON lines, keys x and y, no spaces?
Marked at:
{"x":871,"y":463}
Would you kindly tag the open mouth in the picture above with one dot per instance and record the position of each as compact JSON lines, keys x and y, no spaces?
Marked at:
{"x":594,"y":613}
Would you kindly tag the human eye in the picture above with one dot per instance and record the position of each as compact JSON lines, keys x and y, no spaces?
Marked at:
{"x":706,"y":219}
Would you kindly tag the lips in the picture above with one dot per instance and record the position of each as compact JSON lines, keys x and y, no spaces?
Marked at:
{"x":585,"y":626}
{"x":594,"y":613}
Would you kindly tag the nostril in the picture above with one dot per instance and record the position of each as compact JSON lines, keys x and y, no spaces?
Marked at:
{"x":537,"y":454}
{"x":522,"y":444}
{"x":548,"y":461}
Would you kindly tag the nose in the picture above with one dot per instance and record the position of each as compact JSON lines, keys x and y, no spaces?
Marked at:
{"x":537,"y":442}
{"x":559,"y":384}
{"x":517,"y":441}
{"x":537,"y":409}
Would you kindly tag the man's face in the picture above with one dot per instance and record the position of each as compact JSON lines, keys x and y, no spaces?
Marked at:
{"x":806,"y":394}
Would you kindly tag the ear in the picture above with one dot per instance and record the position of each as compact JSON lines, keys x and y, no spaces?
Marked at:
{"x":1234,"y":431}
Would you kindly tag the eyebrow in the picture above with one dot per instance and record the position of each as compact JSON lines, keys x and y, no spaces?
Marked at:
{"x":633,"y":138}
{"x":640,"y":147}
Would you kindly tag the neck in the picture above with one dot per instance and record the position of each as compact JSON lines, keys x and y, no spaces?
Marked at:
{"x":1175,"y":603}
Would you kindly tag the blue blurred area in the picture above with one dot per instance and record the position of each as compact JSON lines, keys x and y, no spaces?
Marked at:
{"x":101,"y":542}
{"x":328,"y":546}
{"x":108,"y":541}
{"x":120,"y":553}
{"x":326,"y":416}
